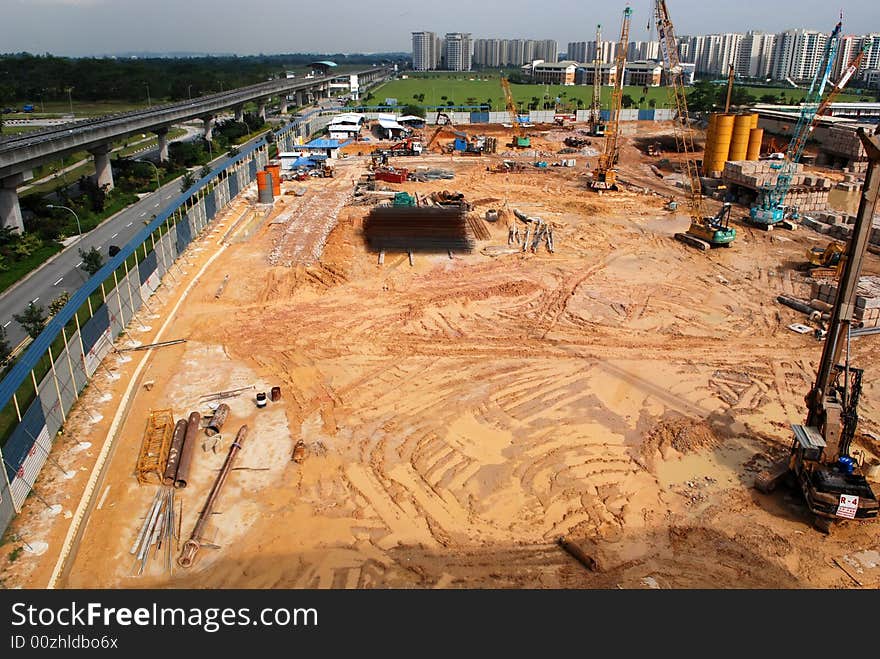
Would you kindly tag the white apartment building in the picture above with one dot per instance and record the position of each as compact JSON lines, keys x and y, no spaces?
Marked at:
{"x":754,"y":58}
{"x":458,"y":51}
{"x":426,"y":48}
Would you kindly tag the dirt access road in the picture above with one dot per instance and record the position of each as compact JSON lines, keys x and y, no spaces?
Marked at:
{"x":462,"y":414}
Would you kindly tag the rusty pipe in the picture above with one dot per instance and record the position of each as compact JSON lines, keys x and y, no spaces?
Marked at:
{"x":217,"y":421}
{"x":192,"y":546}
{"x":579,"y":554}
{"x":170,"y":474}
{"x":189,"y":447}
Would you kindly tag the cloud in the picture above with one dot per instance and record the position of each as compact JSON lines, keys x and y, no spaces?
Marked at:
{"x":65,"y":3}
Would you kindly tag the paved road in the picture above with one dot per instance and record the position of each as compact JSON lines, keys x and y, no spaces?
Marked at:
{"x":64,"y":273}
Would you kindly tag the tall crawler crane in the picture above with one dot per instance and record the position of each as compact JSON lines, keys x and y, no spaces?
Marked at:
{"x":704,"y":232}
{"x":520,"y":140}
{"x":771,"y":208}
{"x":597,"y":127}
{"x":605,"y":174}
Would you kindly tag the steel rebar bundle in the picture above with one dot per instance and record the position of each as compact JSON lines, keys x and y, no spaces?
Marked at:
{"x":192,"y":546}
{"x":426,"y":229}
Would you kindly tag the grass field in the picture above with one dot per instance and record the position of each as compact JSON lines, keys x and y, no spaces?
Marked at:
{"x":476,"y":89}
{"x":80,"y":109}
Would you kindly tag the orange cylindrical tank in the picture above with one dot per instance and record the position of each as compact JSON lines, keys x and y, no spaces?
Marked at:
{"x":754,"y":120}
{"x":275,"y":171}
{"x":262,"y":180}
{"x":739,"y":140}
{"x":710,"y":143}
{"x":721,"y":144}
{"x":756,"y":137}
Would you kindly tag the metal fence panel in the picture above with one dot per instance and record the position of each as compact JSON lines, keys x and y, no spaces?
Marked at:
{"x":20,"y":443}
{"x":210,"y":206}
{"x":52,"y":412}
{"x":97,"y":325}
{"x":7,"y":510}
{"x":184,"y":234}
{"x":64,"y":364}
{"x":233,"y":185}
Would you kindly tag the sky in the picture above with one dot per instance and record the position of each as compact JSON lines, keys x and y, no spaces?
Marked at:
{"x":100,"y":27}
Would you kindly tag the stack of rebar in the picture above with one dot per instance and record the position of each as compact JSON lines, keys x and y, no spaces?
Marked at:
{"x":158,"y":532}
{"x":425,"y":229}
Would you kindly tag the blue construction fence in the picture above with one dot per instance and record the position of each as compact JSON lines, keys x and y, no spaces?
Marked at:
{"x":47,"y":380}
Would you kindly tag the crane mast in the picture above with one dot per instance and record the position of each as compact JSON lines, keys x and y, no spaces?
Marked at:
{"x":605,"y":176}
{"x":770,"y":208}
{"x":596,"y":106}
{"x":519,"y":135}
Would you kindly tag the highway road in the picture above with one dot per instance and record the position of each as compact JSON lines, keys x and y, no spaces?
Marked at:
{"x":64,"y":273}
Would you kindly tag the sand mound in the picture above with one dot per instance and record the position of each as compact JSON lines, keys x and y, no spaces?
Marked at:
{"x":673,"y":437}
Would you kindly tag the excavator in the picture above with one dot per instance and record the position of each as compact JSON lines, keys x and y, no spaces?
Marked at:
{"x":446,"y":121}
{"x":705,"y":232}
{"x":605,"y":174}
{"x":597,"y":126}
{"x":819,"y":463}
{"x":520,"y":139}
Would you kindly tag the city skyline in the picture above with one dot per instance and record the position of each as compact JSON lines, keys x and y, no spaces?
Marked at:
{"x":92,"y":27}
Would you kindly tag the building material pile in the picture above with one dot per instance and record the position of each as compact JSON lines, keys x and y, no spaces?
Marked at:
{"x":867,"y":311}
{"x":839,"y":225}
{"x":423,"y":176}
{"x":155,"y":447}
{"x":808,"y":193}
{"x":844,"y":142}
{"x":427,"y":229}
{"x":850,"y":183}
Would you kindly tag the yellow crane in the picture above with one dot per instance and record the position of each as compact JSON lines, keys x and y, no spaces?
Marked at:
{"x":704,"y":232}
{"x":597,"y":128}
{"x":605,"y":174}
{"x":730,"y":76}
{"x":520,"y":140}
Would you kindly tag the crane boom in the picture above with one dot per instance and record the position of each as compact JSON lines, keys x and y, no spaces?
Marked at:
{"x":704,"y":232}
{"x":770,"y":208}
{"x":730,"y":76}
{"x":596,"y":105}
{"x":519,"y":134}
{"x":605,"y":176}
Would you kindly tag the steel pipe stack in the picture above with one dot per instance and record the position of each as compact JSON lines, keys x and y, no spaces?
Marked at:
{"x":189,"y":447}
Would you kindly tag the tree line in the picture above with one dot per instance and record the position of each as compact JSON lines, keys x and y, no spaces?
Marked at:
{"x":28,"y":77}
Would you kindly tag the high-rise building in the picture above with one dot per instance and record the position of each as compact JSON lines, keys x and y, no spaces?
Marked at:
{"x":871,"y":61}
{"x":585,"y":51}
{"x":641,"y":51}
{"x":457,"y":51}
{"x":755,"y":54}
{"x":426,"y":51}
{"x":547,"y":50}
{"x":797,"y":54}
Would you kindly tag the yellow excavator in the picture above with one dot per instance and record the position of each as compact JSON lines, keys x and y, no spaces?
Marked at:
{"x":605,"y":173}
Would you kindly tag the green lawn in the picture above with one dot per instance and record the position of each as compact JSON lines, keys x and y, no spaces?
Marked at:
{"x":17,"y":129}
{"x":80,"y":109}
{"x":19,"y":269}
{"x":463,"y":90}
{"x":477,"y":88}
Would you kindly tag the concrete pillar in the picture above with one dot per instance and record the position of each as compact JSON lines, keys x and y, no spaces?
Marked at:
{"x":103,"y":170}
{"x":239,"y":113}
{"x":282,"y":106}
{"x":162,"y":134}
{"x":208,"y":131}
{"x":10,"y":211}
{"x":261,"y":110}
{"x":300,"y":98}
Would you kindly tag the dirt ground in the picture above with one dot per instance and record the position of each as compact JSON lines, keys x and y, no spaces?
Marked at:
{"x":462,"y":414}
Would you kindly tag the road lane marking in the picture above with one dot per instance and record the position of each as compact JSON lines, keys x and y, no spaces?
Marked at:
{"x":113,"y":236}
{"x":130,"y":223}
{"x":58,"y":282}
{"x":8,"y":323}
{"x":78,"y":264}
{"x":34,"y":301}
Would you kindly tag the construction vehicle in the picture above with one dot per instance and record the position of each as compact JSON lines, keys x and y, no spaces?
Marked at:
{"x":407,"y":147}
{"x":826,"y":257}
{"x":819,"y":463}
{"x":654,"y":149}
{"x":705,"y":232}
{"x":404,"y":200}
{"x":446,"y":121}
{"x":605,"y":174}
{"x":597,"y":126}
{"x":520,"y":140}
{"x":771,"y":208}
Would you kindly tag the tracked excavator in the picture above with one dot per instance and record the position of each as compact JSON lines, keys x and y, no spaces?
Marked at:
{"x":820,"y":464}
{"x":705,"y":232}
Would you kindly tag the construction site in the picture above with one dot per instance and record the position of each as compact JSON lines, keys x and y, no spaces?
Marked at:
{"x":565,"y":355}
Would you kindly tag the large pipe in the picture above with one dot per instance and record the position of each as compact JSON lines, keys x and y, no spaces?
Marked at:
{"x":189,"y":447}
{"x":217,"y":421}
{"x":192,"y":546}
{"x":174,"y":452}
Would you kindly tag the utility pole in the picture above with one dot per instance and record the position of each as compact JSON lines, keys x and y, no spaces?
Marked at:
{"x":149,"y":102}
{"x":70,"y":98}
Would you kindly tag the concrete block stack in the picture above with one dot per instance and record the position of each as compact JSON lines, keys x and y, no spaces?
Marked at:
{"x":844,"y":142}
{"x":839,"y":225}
{"x":867,"y":312}
{"x":850,"y":183}
{"x":809,"y":193}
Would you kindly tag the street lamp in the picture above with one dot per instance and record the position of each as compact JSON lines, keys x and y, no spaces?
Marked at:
{"x":153,"y":165}
{"x":70,"y":98}
{"x":149,"y":102}
{"x":79,"y":228}
{"x":189,"y":91}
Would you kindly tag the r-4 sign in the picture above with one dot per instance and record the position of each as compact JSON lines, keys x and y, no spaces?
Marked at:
{"x":848,"y":506}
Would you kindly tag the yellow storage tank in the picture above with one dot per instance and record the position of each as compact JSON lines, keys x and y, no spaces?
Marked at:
{"x":710,"y":139}
{"x":754,"y":120}
{"x":739,"y":141}
{"x":756,"y":137}
{"x":721,"y":142}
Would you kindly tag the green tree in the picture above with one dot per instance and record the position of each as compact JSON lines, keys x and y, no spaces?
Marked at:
{"x":204,"y":171}
{"x":187,"y":181}
{"x":5,"y":348}
{"x":32,"y":320}
{"x":414,"y":110}
{"x":92,"y":261}
{"x":627,"y":101}
{"x":652,"y":103}
{"x":58,"y":303}
{"x":772,"y":99}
